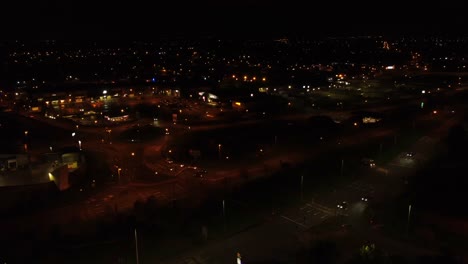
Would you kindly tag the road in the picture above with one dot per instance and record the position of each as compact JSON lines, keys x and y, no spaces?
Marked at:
{"x":122,"y":197}
{"x":292,"y":229}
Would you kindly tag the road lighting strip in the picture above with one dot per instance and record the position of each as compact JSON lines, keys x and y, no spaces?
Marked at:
{"x":321,"y":208}
{"x":295,"y":222}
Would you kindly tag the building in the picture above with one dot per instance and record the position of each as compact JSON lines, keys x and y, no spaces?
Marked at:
{"x":9,"y":162}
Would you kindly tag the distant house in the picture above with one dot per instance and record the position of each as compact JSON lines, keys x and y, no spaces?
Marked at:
{"x":117,"y":118}
{"x":208,"y":97}
{"x":13,"y":161}
{"x":66,"y":162}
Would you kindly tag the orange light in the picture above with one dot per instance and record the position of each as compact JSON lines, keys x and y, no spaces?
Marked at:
{"x":238,"y":103}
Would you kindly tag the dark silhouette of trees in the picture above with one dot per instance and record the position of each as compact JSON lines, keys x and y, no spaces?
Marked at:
{"x":324,"y":252}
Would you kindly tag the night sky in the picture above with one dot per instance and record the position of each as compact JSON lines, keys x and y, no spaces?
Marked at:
{"x":147,"y":19}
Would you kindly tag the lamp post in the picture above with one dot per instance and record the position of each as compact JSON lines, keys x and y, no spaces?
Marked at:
{"x":408,"y":223}
{"x":26,"y":140}
{"x":224,"y":215}
{"x":136,"y":247}
{"x":341,"y":170}
{"x":173,"y":187}
{"x":219,"y":151}
{"x":302,"y":188}
{"x":239,"y":258}
{"x":118,"y":173}
{"x":109,"y":135}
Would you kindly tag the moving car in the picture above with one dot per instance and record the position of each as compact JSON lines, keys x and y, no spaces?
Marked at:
{"x":368,"y":162}
{"x":343,"y":205}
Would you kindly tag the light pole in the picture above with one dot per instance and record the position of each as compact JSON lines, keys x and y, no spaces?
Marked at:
{"x":224,"y":215}
{"x":136,"y":247}
{"x":219,"y":151}
{"x":173,"y":188}
{"x":79,"y":144}
{"x":109,"y":135}
{"x":239,"y":258}
{"x":118,"y":173}
{"x":409,"y":215}
{"x":302,"y":188}
{"x":26,"y":140}
{"x":341,"y":170}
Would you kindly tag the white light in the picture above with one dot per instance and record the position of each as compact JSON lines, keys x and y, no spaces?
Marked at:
{"x":104,"y":92}
{"x":423,"y":91}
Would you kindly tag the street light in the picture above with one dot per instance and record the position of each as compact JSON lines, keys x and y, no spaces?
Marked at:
{"x":118,"y":172}
{"x":219,"y":151}
{"x":26,"y":141}
{"x":224,"y":215}
{"x":109,"y":135}
{"x":79,"y":144}
{"x":341,"y":169}
{"x":173,"y":188}
{"x":136,"y":247}
{"x":409,"y":215}
{"x":239,"y":258}
{"x":302,"y":188}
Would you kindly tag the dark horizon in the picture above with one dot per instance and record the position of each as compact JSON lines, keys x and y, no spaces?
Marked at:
{"x":144,"y":20}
